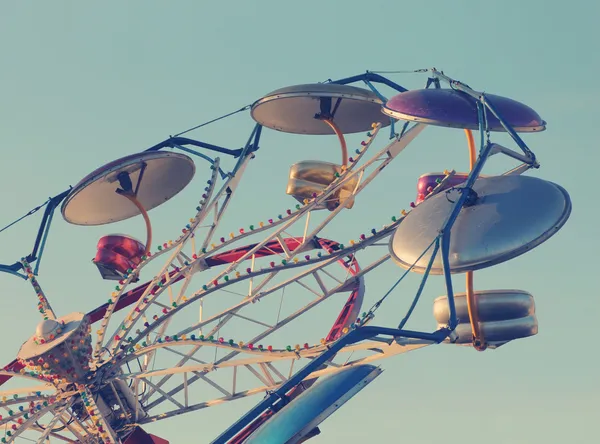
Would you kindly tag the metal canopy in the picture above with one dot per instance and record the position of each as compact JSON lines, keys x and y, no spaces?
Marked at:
{"x":456,"y":109}
{"x":94,"y":200}
{"x":293,"y":109}
{"x":512,"y":215}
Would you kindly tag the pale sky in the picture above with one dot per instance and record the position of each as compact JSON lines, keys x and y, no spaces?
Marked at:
{"x":84,"y":84}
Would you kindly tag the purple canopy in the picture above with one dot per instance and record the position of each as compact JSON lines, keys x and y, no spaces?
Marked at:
{"x":456,"y":109}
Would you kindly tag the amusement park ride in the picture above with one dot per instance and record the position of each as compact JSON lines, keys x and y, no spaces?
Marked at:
{"x":156,"y":350}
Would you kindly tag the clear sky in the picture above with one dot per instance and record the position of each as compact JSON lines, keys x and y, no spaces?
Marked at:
{"x":83,"y":83}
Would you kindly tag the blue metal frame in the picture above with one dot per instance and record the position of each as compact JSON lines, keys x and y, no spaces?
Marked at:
{"x":513,"y":134}
{"x":485,"y":103}
{"x":251,"y":146}
{"x":442,"y":242}
{"x":368,"y":78}
{"x":181,"y":143}
{"x":172,"y":142}
{"x":40,"y":241}
{"x":274,"y":398}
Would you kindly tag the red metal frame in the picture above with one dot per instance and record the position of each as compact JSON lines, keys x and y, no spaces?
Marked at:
{"x":271,"y":248}
{"x":344,"y":319}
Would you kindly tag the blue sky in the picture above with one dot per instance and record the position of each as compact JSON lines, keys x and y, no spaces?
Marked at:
{"x":83,"y":84}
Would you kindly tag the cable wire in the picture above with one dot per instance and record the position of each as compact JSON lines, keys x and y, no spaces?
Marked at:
{"x":29,"y":213}
{"x":213,"y":120}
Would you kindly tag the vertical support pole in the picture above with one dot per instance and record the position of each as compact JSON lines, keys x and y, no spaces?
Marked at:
{"x":252,"y":140}
{"x":530,"y":155}
{"x":478,"y":339}
{"x":44,"y":238}
{"x":446,"y":228}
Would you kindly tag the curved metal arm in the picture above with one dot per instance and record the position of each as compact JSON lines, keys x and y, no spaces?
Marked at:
{"x":172,"y":141}
{"x":478,"y":339}
{"x":483,"y":100}
{"x":352,"y":337}
{"x":40,"y":241}
{"x":341,"y":138}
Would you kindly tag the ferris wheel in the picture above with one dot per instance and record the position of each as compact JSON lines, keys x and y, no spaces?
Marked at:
{"x":206,"y":327}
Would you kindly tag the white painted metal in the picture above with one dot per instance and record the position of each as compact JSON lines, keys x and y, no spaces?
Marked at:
{"x":318,"y":279}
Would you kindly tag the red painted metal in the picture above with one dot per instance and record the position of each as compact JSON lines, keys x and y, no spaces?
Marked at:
{"x":116,"y":254}
{"x":134,"y":295}
{"x":139,"y":436}
{"x":427,"y":182}
{"x":343,"y":319}
{"x":271,"y":248}
{"x":95,"y":315}
{"x":113,"y":261}
{"x":124,"y":245}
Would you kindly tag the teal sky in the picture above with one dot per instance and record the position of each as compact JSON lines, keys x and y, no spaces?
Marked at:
{"x":84,"y":83}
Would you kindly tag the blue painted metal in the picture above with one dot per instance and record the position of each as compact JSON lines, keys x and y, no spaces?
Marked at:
{"x":43,"y":243}
{"x":422,"y":285}
{"x":170,"y":142}
{"x":380,"y":301}
{"x":376,"y":91}
{"x":202,"y":156}
{"x":9,"y":270}
{"x":180,"y":142}
{"x":368,"y":78}
{"x":383,"y":99}
{"x":38,"y":247}
{"x":372,"y":77}
{"x":513,"y":134}
{"x":251,"y":146}
{"x":352,"y":337}
{"x":404,"y":320}
{"x":54,"y":202}
{"x":446,"y":229}
{"x":313,"y":406}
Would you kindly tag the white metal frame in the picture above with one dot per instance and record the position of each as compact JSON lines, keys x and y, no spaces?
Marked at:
{"x":110,"y":361}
